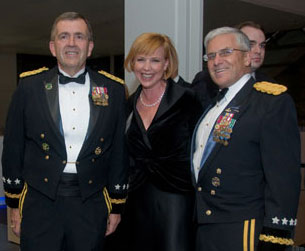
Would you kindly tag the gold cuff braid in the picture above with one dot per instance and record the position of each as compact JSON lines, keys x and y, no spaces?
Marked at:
{"x":118,"y":201}
{"x":276,"y":240}
{"x":12,"y":196}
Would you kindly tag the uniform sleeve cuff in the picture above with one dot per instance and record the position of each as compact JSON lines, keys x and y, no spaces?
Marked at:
{"x":12,"y":202}
{"x":276,"y":236}
{"x":117,"y":208}
{"x":118,"y":203}
{"x":115,"y":202}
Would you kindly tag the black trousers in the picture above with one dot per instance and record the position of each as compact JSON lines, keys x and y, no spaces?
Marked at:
{"x":235,"y":236}
{"x":64,"y":224}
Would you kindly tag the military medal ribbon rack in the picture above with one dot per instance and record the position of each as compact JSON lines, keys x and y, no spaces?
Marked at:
{"x":100,"y":96}
{"x":224,"y":128}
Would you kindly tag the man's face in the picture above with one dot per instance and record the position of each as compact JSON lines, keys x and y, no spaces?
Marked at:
{"x":71,"y":45}
{"x":258,"y":42}
{"x":225,"y":70}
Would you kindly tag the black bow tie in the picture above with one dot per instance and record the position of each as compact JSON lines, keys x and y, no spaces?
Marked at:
{"x":65,"y":80}
{"x":221,"y":93}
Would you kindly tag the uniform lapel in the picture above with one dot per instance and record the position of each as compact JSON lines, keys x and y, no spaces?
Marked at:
{"x":94,"y":109}
{"x":51,"y":106}
{"x":193,"y":141}
{"x":95,"y":113}
{"x":239,"y":105}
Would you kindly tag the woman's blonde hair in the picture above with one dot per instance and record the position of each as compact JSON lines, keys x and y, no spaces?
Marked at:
{"x":148,"y":43}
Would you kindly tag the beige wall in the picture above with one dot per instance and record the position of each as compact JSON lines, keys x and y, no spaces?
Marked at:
{"x":8,"y":83}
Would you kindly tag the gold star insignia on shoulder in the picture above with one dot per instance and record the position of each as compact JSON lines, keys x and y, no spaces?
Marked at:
{"x":108,"y":75}
{"x":270,"y":88}
{"x":34,"y":72}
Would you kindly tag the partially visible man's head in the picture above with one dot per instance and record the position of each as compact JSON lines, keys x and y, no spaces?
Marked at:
{"x":227,"y":54}
{"x":257,"y":38}
{"x":71,"y":42}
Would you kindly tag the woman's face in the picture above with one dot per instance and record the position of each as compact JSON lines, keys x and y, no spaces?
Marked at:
{"x":149,"y":69}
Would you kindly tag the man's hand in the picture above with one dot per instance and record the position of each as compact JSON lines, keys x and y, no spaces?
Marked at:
{"x":15,"y":221}
{"x":113,"y":222}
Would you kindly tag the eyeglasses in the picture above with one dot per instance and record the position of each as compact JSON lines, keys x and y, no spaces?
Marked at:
{"x":262,"y":45}
{"x":222,"y":53}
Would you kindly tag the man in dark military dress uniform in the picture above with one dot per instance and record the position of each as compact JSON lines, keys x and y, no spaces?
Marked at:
{"x":203,"y":84}
{"x":245,"y":155}
{"x":64,"y":158}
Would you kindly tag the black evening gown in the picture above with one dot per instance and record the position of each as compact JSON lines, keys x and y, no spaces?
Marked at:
{"x":160,"y":205}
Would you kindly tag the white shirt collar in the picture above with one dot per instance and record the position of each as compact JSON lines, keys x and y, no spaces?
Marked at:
{"x":75,"y":75}
{"x":236,"y":87}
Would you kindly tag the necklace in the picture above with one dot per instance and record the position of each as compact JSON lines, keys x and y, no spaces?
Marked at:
{"x":153,"y":104}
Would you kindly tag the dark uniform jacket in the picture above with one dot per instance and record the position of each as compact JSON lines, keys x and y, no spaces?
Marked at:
{"x":253,"y":171}
{"x":34,"y":148}
{"x":206,"y":89}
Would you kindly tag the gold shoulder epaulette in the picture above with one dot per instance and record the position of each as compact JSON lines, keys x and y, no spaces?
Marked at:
{"x":108,"y":75}
{"x":30,"y":73}
{"x":270,"y":88}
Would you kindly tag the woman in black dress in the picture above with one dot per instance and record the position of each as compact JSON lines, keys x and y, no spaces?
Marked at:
{"x":161,"y":120}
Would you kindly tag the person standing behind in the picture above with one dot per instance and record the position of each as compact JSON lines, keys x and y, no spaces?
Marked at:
{"x":162,"y":118}
{"x":64,"y":158}
{"x":258,"y":42}
{"x":204,"y":87}
{"x":245,"y":155}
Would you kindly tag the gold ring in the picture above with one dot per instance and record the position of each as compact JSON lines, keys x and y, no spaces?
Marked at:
{"x":12,"y":226}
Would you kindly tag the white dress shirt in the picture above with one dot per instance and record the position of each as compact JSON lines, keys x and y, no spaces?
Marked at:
{"x":75,"y":112}
{"x":206,"y":125}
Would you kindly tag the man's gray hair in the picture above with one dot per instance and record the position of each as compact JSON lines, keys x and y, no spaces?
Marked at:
{"x":71,"y":16}
{"x":241,"y":39}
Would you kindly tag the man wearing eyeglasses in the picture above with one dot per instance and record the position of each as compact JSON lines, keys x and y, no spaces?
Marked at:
{"x":245,"y":155}
{"x":202,"y":82}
